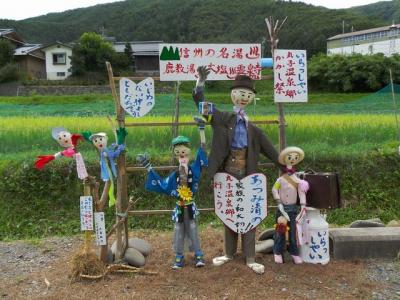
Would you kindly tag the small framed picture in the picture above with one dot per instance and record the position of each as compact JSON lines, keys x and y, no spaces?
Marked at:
{"x":206,"y":108}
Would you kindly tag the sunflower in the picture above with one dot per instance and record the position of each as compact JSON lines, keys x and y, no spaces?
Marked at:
{"x":185,"y":193}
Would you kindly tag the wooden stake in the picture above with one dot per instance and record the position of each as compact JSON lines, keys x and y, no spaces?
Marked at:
{"x":122,"y":186}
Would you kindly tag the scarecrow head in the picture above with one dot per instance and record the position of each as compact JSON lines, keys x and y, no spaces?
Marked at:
{"x":99,"y":140}
{"x":181,"y":148}
{"x":291,"y":156}
{"x":62,"y":136}
{"x":242,"y":91}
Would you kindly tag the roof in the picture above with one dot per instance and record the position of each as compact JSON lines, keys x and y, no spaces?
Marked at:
{"x":26,"y":49}
{"x":372,"y":30}
{"x":139,"y":48}
{"x":11,"y":35}
{"x":54,"y":44}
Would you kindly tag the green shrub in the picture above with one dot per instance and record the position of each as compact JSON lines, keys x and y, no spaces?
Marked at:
{"x":9,"y":73}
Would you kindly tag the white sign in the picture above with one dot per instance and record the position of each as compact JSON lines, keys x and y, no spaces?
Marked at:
{"x":100,"y":227}
{"x":290,"y":76}
{"x":137,"y":99}
{"x":86,"y":205}
{"x":240,"y":204}
{"x":179,"y":62}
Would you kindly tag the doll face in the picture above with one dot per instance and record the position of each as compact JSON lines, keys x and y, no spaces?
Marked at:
{"x":64,"y":139}
{"x":292,"y":158}
{"x":182,"y":153}
{"x":241,"y":97}
{"x":100,"y":142}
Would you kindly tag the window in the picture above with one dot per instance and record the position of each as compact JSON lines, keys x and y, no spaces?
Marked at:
{"x":59,"y":58}
{"x":60,"y":74}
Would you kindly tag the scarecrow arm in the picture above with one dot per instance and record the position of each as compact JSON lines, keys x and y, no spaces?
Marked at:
{"x":144,"y":161}
{"x":203,"y":73}
{"x":43,"y":160}
{"x":201,"y":124}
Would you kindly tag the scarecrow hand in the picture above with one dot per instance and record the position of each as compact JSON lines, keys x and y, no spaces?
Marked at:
{"x":283,"y":212}
{"x":143,"y":160}
{"x":200,"y":122}
{"x":86,"y":135}
{"x":121,"y":134}
{"x":43,"y":160}
{"x":203,"y":72}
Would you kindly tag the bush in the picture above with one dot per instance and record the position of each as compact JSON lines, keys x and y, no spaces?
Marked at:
{"x":354,"y":73}
{"x":9,"y":73}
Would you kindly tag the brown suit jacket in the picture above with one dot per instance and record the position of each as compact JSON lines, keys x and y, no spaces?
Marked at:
{"x":223,"y":124}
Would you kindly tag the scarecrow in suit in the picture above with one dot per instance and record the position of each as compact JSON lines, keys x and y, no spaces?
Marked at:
{"x":236,"y":146}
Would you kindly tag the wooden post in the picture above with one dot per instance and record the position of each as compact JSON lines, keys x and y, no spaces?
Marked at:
{"x":88,"y":233}
{"x":175,"y":126}
{"x":273,"y":31}
{"x":122,"y":187}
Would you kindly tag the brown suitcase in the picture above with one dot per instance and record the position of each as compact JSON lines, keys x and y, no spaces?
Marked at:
{"x":324,"y":192}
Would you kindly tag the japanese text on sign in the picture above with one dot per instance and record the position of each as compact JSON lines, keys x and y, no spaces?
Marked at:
{"x":137,"y":99}
{"x":86,"y":207}
{"x":225,"y":61}
{"x":240,"y":204}
{"x":290,"y":76}
{"x":100,"y":228}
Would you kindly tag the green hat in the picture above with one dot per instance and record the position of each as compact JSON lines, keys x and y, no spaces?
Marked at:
{"x":180,"y":140}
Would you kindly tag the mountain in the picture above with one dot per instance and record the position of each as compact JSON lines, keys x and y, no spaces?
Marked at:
{"x":385,"y":10}
{"x":223,"y":21}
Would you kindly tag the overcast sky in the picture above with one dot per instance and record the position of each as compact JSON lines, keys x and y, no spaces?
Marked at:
{"x":22,"y":9}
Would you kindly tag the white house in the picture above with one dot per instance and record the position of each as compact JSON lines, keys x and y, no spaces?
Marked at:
{"x":384,"y":40}
{"x":58,"y":61}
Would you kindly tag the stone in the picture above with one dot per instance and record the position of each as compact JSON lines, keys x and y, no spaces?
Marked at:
{"x":367,"y":223}
{"x":267,"y":234}
{"x":265,"y":246}
{"x":134,"y":258}
{"x":393,"y":223}
{"x":365,"y":243}
{"x":141,"y":245}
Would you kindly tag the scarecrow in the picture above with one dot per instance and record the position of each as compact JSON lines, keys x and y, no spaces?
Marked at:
{"x":68,"y":141}
{"x":236,"y":146}
{"x":108,"y":155}
{"x":181,"y":184}
{"x":285,"y":191}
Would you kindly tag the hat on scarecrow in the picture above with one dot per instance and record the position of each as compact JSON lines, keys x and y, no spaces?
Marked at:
{"x":288,"y":150}
{"x":243,"y":81}
{"x":180,"y":140}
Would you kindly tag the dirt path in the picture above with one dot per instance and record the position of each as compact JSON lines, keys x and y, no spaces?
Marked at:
{"x":25,"y":267}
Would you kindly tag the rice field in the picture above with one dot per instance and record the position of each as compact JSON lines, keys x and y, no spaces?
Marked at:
{"x":319,"y":135}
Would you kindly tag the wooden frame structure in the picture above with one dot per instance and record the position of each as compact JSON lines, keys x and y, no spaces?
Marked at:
{"x":122,"y":206}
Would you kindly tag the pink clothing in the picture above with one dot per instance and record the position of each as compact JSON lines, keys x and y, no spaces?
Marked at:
{"x":69,"y":152}
{"x":287,"y":193}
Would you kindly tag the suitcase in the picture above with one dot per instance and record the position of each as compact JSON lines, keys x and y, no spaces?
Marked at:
{"x":324,"y":192}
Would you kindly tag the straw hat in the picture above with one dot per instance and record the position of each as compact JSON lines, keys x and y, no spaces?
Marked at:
{"x":100,"y":134}
{"x":288,"y":150}
{"x":243,"y":81}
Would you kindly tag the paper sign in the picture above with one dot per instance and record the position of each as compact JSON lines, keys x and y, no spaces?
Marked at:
{"x":80,"y":166}
{"x":240,"y":204}
{"x":179,"y":62}
{"x":137,"y":99}
{"x":290,"y":76}
{"x":86,"y":205}
{"x":100,"y":228}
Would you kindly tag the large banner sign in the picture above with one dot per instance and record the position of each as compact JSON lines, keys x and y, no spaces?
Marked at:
{"x":290,"y":76}
{"x":179,"y":62}
{"x":240,"y":204}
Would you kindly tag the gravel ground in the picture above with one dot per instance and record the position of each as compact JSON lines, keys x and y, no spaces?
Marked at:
{"x":40,"y":269}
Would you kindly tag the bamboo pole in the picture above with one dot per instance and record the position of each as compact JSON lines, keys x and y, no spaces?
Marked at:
{"x":273,"y":30}
{"x":157,"y":78}
{"x":168,"y":211}
{"x":150,"y":124}
{"x":122,"y":187}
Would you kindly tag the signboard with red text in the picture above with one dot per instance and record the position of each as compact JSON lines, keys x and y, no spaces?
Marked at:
{"x":290,"y":76}
{"x":179,"y":62}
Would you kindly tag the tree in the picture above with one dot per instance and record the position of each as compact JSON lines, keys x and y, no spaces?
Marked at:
{"x":91,"y":53}
{"x":6,"y":52}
